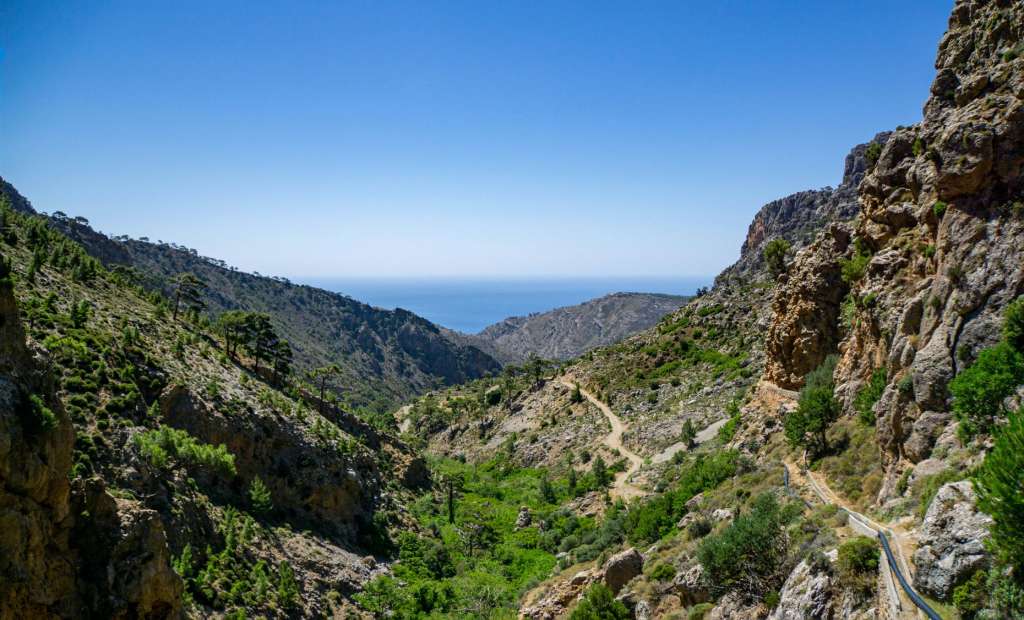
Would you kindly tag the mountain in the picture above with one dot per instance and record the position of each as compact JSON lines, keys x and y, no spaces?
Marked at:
{"x":564,"y":333}
{"x":385,"y":356}
{"x":863,"y":384}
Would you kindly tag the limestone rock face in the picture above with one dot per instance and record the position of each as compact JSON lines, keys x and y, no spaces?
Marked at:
{"x":951,"y":545}
{"x":313,"y":481}
{"x":806,"y":310}
{"x":37,"y":575}
{"x":941,"y":240}
{"x":621,"y":568}
{"x":806,"y":594}
{"x":126,"y":565}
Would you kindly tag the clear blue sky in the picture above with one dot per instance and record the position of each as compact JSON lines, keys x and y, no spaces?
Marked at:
{"x":449,"y":138}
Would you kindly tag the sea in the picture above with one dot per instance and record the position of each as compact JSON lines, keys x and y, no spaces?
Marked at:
{"x":469,"y":305}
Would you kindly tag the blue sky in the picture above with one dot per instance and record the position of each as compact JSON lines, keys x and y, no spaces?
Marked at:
{"x":449,"y":138}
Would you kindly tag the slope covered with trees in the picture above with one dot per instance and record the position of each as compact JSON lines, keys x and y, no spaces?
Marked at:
{"x":384,"y":356}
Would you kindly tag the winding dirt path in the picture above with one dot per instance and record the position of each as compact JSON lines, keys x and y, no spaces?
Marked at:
{"x":622,"y":487}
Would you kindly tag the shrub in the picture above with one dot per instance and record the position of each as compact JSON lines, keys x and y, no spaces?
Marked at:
{"x":872,"y":153}
{"x":599,"y":604}
{"x":577,"y":395}
{"x":853,"y":268}
{"x":160,"y":444}
{"x":858,"y":565}
{"x":37,"y":418}
{"x":979,"y":391}
{"x":1013,"y":324}
{"x":775,"y":256}
{"x":259,"y":497}
{"x":869,"y":394}
{"x":699,"y":528}
{"x":749,"y":553}
{"x":939,"y":209}
{"x":858,"y":556}
{"x":999,"y":491}
{"x":663,"y":572}
{"x":969,"y":597}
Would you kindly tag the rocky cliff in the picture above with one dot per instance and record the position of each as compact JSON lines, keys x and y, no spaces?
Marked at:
{"x":917,"y":284}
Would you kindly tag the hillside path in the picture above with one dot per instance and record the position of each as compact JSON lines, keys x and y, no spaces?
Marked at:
{"x":622,"y":487}
{"x":904,"y":546}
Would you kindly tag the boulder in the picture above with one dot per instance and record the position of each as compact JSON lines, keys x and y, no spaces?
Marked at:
{"x":621,"y":568}
{"x":523,"y":519}
{"x":951,"y":545}
{"x":807,"y":593}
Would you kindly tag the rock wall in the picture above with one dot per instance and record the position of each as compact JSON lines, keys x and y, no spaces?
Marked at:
{"x":66,"y":554}
{"x":942,"y":226}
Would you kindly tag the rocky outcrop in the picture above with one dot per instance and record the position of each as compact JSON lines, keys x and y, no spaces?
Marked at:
{"x":939,"y":242}
{"x":37,"y":563}
{"x":66,"y":554}
{"x":310,"y":480}
{"x":126,"y":564}
{"x":807,"y":593}
{"x":805,"y":329}
{"x":560,"y":596}
{"x":951,"y":542}
{"x":621,"y":568}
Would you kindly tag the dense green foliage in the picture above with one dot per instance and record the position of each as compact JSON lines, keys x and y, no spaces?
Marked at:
{"x":978,"y":392}
{"x":869,"y":394}
{"x":816,"y":410}
{"x":852,"y":269}
{"x":657,"y":516}
{"x":775,"y":256}
{"x":748,"y":554}
{"x":1000,"y":485}
{"x":599,"y":604}
{"x":259,"y":497}
{"x":160,"y":445}
{"x":1013,"y":324}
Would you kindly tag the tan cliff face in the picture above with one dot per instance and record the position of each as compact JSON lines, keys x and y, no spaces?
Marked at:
{"x":942,"y":228}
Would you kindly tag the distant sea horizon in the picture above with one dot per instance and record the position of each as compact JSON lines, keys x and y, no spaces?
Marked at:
{"x":470,"y":304}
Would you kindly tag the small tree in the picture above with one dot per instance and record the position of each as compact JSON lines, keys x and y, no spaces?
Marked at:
{"x":1000,"y":486}
{"x":287,"y":587}
{"x":281,"y":356}
{"x":189,"y":289}
{"x":577,"y":395}
{"x":601,"y":476}
{"x":259,"y":497}
{"x":260,"y":337}
{"x":321,"y":376}
{"x":775,"y":256}
{"x":547,"y":492}
{"x":816,"y":410}
{"x":232,"y":325}
{"x":689,"y":434}
{"x":572,"y":482}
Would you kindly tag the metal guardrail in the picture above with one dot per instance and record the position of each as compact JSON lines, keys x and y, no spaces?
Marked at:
{"x":893,"y":564}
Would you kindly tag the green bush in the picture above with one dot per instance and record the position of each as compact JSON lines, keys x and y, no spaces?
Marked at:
{"x":259,"y":497}
{"x":663,"y":572}
{"x":816,"y":409}
{"x":1013,"y":324}
{"x":858,"y":556}
{"x":970,"y":596}
{"x":160,"y":444}
{"x":37,"y":418}
{"x":869,"y":395}
{"x":599,"y":604}
{"x":999,"y":482}
{"x":775,"y":256}
{"x":939,"y":209}
{"x":979,"y":391}
{"x":852,"y":269}
{"x":872,"y":153}
{"x":747,"y":555}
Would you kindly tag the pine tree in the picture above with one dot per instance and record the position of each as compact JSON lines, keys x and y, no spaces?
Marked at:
{"x":600,"y":471}
{"x":189,"y":289}
{"x":259,"y":496}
